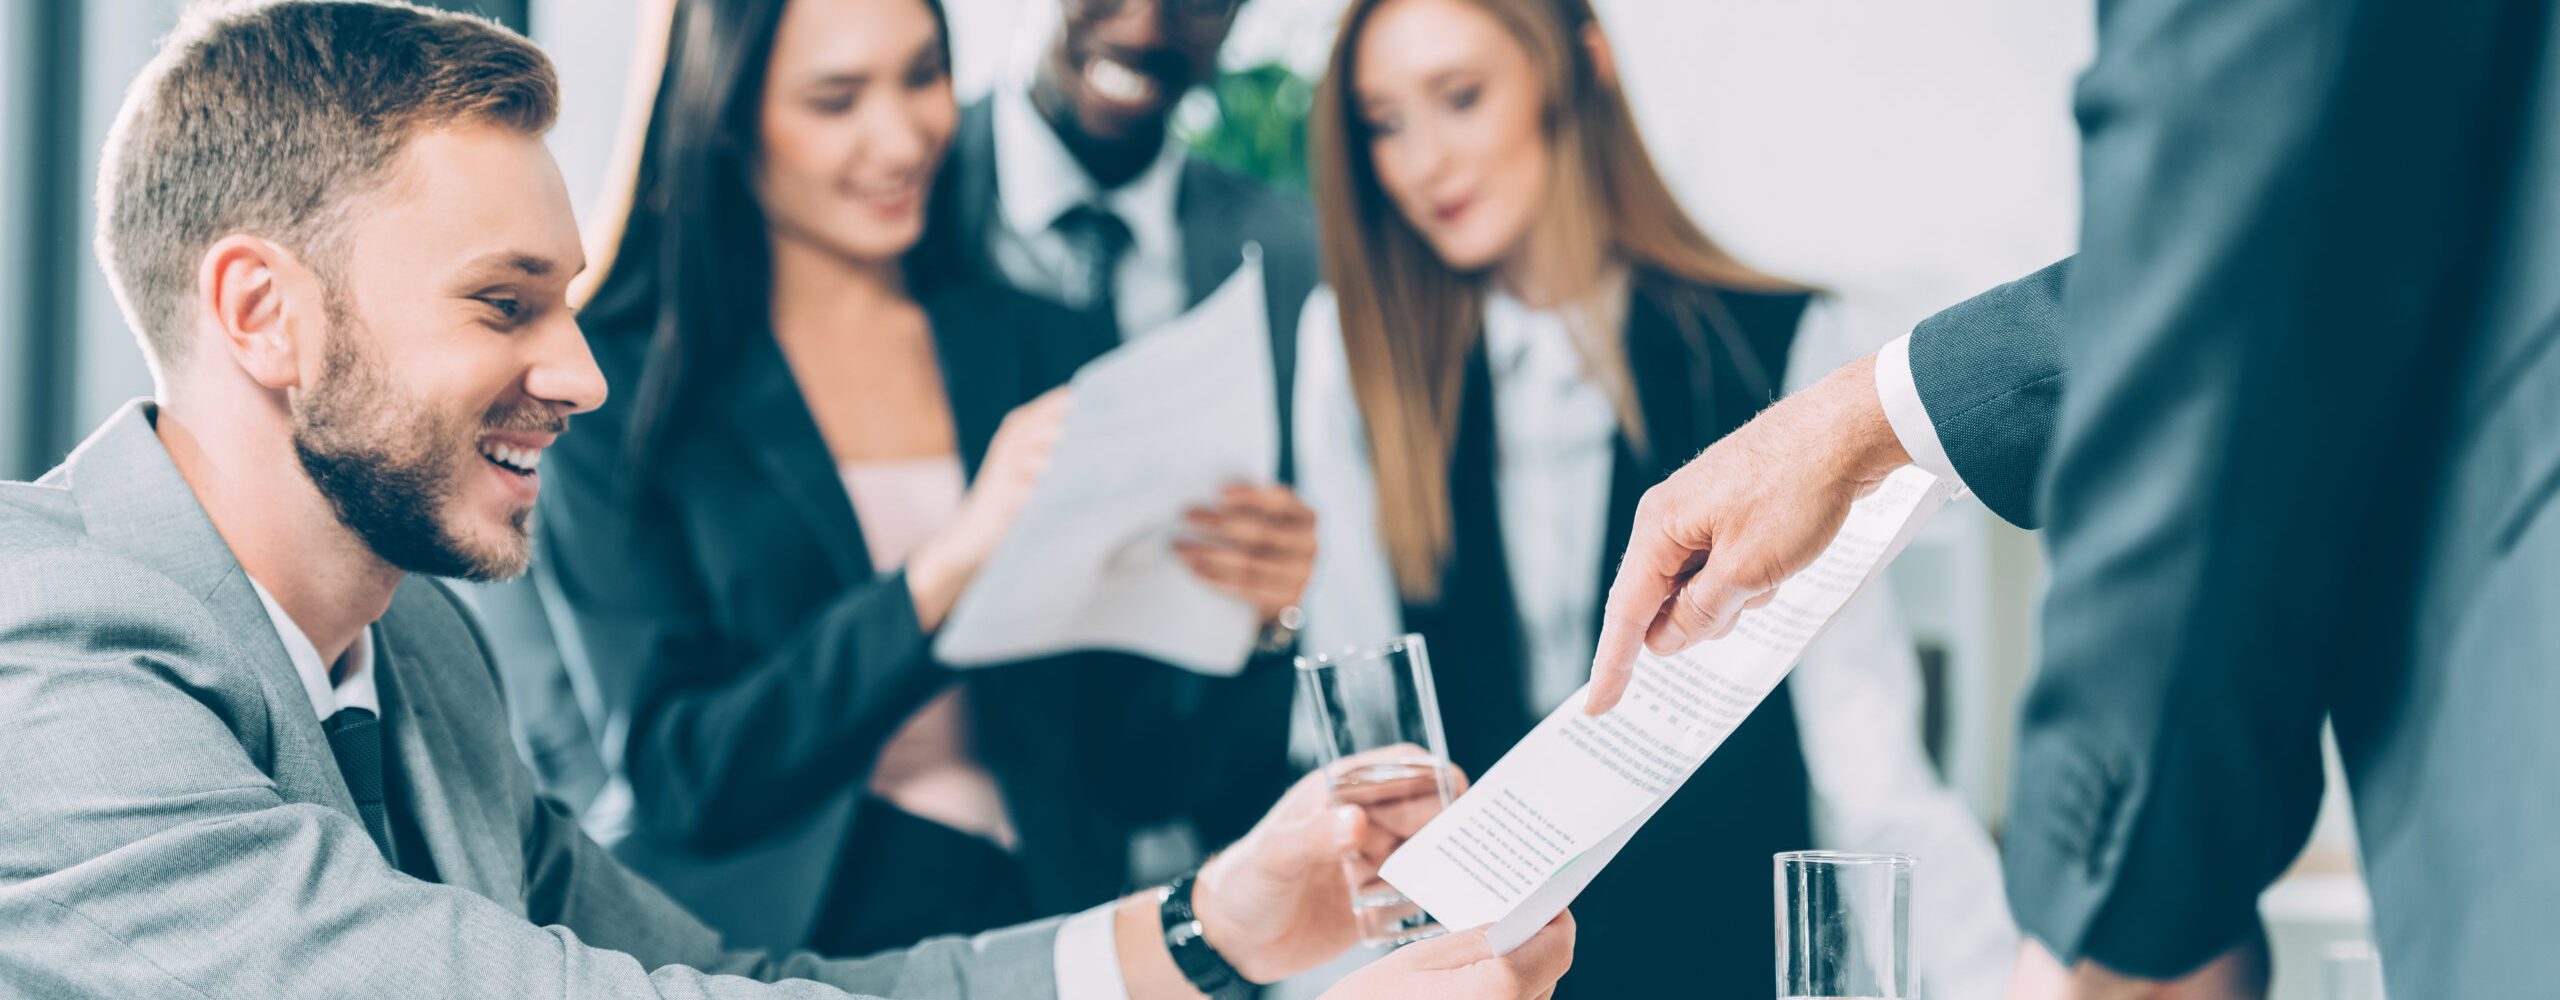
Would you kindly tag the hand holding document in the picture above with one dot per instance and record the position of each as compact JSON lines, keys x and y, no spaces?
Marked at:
{"x":1158,"y":426}
{"x":1551,"y":813}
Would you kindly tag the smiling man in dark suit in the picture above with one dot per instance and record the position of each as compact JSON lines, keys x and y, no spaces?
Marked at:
{"x":1067,"y":182}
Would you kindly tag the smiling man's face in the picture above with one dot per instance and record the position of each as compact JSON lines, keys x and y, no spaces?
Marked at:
{"x":1122,"y":65}
{"x":451,"y":358}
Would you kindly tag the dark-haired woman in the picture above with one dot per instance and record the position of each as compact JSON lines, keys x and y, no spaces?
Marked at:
{"x":1525,"y":332}
{"x":812,"y":446}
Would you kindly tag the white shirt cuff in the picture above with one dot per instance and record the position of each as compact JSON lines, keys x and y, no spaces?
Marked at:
{"x":1909,"y":417}
{"x":1088,"y":959}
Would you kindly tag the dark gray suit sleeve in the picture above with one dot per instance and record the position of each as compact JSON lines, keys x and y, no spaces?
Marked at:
{"x":144,"y":853}
{"x":2279,"y":200}
{"x":1989,"y":371}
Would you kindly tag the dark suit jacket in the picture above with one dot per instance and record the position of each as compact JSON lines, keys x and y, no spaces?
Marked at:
{"x":2303,"y":467}
{"x":1219,"y":211}
{"x":1685,"y":908}
{"x":730,"y":608}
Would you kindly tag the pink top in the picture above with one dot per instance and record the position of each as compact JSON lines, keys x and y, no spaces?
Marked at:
{"x":927,"y":768}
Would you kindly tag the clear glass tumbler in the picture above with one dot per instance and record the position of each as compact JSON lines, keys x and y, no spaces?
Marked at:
{"x":1844,"y":926}
{"x":1379,"y":725}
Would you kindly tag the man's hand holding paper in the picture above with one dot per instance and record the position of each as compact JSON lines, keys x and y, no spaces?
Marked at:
{"x":1544,"y":820}
{"x":1722,"y":532}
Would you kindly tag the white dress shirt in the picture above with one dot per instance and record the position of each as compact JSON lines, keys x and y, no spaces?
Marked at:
{"x":1086,"y":959}
{"x":1857,"y":687}
{"x":1037,"y":181}
{"x":328,"y":695}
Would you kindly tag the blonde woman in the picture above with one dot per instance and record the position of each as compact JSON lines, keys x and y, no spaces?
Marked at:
{"x":1524,"y":331}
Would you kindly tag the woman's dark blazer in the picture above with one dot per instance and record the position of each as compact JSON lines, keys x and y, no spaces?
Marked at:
{"x":738,"y":631}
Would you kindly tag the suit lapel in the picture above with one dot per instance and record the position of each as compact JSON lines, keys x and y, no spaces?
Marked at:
{"x":772,"y":424}
{"x":971,"y":179}
{"x":1213,"y":233}
{"x":1669,"y":378}
{"x":134,"y":501}
{"x":983,"y":371}
{"x":449,"y":812}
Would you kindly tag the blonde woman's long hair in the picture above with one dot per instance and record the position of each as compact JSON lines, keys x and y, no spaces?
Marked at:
{"x":1409,"y":322}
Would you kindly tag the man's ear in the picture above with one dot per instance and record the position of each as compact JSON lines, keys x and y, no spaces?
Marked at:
{"x":261,"y":300}
{"x":1604,"y":60}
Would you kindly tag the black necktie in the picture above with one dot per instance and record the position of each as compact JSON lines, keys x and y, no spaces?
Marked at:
{"x":355,"y":738}
{"x":1099,"y":238}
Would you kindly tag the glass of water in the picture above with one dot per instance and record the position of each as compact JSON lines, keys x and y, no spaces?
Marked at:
{"x":1378,"y":727}
{"x":1844,"y":926}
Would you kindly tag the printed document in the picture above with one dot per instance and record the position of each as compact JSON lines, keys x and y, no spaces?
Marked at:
{"x":1535,"y":828}
{"x":1157,"y":426}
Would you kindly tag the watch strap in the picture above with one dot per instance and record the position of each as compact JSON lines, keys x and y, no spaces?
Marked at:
{"x":1207,"y":971}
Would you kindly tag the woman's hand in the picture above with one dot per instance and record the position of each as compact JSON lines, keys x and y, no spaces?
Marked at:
{"x":1258,"y":543}
{"x":943,"y":566}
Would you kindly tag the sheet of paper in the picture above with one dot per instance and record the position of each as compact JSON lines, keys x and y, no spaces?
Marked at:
{"x":1536,"y":827}
{"x":1158,"y":426}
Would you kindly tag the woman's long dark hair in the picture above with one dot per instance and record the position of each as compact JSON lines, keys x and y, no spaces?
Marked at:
{"x":689,"y":268}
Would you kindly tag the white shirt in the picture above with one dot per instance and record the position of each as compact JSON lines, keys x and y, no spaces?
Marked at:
{"x":328,"y":695}
{"x":1037,"y":181}
{"x":1555,"y":449}
{"x":1085,"y":959}
{"x":1910,"y":419}
{"x":1857,"y":688}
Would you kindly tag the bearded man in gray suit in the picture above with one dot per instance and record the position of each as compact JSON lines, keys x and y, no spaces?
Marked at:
{"x":253,"y":752}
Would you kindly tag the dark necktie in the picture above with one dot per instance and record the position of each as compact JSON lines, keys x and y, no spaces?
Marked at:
{"x":355,"y":738}
{"x":1099,"y":239}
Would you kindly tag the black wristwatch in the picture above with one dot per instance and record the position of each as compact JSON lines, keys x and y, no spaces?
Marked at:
{"x":1207,"y":970}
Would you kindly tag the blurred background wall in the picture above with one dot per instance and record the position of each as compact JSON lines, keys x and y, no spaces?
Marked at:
{"x":1900,"y":155}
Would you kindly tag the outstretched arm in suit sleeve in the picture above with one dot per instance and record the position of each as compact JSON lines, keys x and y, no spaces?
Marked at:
{"x":1986,"y":376}
{"x":1969,"y":395}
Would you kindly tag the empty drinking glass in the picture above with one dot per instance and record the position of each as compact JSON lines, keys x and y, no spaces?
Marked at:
{"x":1844,"y":926}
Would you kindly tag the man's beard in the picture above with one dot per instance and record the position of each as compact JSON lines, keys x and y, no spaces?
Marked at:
{"x":387,"y":467}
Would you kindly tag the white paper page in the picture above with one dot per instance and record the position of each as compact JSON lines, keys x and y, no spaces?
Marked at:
{"x":1157,"y":426}
{"x":1535,"y":829}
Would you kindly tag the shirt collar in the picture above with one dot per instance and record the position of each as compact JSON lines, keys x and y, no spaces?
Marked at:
{"x":1038,"y":180}
{"x":1521,"y":338}
{"x":327,"y":697}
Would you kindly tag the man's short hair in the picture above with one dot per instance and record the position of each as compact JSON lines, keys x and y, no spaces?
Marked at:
{"x":265,"y":118}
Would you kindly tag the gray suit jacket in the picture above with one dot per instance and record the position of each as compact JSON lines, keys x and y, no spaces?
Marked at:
{"x":172,"y":823}
{"x":2304,"y":466}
